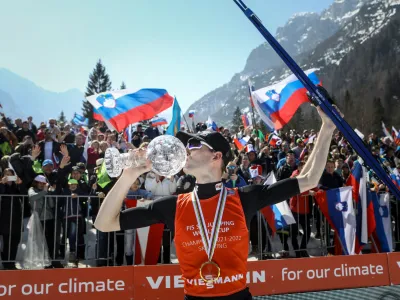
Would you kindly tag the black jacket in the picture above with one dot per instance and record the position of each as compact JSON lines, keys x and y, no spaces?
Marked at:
{"x":56,"y":151}
{"x":330,"y":181}
{"x":10,"y":209}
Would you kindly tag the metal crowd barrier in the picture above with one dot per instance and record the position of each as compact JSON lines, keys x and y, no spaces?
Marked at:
{"x":72,"y":240}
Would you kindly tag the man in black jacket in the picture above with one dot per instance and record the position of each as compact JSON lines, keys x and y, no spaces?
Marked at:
{"x":76,"y":150}
{"x":287,"y":169}
{"x":24,"y":131}
{"x":329,"y":180}
{"x":49,"y":149}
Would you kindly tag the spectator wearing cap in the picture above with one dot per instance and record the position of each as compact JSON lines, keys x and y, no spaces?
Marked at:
{"x":74,"y":227}
{"x":54,"y":130}
{"x":49,"y":172}
{"x":151,"y":132}
{"x":67,"y":135}
{"x":49,"y":148}
{"x":25,"y":131}
{"x":40,"y":134}
{"x":78,"y":173}
{"x":135,"y":194}
{"x":252,"y":155}
{"x":45,"y":208}
{"x":299,"y":148}
{"x":10,"y":217}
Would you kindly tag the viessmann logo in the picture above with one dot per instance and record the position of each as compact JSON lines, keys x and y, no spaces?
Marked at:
{"x":176,"y":282}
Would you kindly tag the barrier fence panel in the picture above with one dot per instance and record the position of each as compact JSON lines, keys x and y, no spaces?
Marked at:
{"x":72,"y":240}
{"x":271,"y":277}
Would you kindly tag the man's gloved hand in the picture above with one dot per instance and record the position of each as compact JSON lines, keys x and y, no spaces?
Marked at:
{"x":185,"y":184}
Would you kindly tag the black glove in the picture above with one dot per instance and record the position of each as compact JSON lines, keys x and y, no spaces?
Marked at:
{"x":185,"y":184}
{"x":324,"y":92}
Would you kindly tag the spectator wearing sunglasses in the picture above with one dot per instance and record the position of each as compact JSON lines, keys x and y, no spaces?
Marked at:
{"x":232,"y":179}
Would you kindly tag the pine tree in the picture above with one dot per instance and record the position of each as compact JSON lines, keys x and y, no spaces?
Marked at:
{"x":62,"y":117}
{"x":378,"y":115}
{"x":237,"y":119}
{"x":99,"y":81}
{"x":123,"y":86}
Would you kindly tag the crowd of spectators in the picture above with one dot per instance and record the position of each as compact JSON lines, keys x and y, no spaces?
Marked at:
{"x":56,"y":169}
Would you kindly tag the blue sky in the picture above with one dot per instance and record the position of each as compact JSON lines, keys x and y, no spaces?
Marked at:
{"x":188,"y":47}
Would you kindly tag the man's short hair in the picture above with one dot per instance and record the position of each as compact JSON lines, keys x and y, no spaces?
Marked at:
{"x":290,"y":152}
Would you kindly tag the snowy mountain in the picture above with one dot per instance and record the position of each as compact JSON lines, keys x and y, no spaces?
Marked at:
{"x":22,"y":98}
{"x":337,"y":41}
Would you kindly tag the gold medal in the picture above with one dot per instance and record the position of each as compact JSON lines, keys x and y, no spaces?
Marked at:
{"x":210,"y":272}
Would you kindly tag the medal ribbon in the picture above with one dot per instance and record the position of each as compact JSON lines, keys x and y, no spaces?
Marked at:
{"x":209,"y":242}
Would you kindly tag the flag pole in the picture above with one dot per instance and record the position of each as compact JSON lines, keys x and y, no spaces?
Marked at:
{"x":185,"y":121}
{"x":320,"y":97}
{"x":253,"y":119}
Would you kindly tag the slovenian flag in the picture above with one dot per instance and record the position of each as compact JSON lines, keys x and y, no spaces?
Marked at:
{"x":274,"y":140}
{"x":191,"y":114}
{"x":158,"y":121}
{"x":241,"y":143}
{"x":310,"y":139}
{"x":279,"y":215}
{"x":97,"y":116}
{"x":383,"y":233}
{"x":365,"y":209}
{"x":279,"y":102}
{"x":337,"y":207}
{"x":123,"y":107}
{"x":148,"y":239}
{"x":80,"y":120}
{"x":245,"y":121}
{"x":211,"y":125}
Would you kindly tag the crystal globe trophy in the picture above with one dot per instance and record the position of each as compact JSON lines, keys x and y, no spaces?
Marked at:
{"x":166,"y":152}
